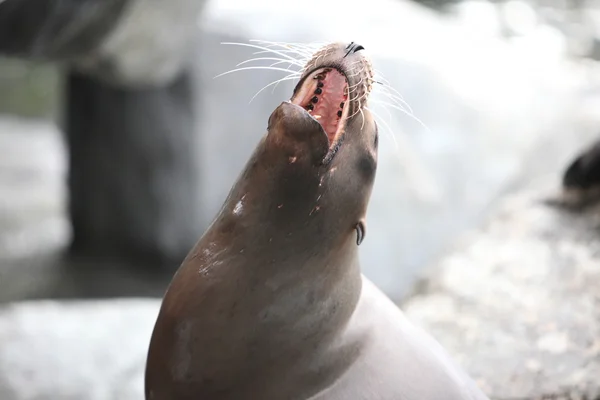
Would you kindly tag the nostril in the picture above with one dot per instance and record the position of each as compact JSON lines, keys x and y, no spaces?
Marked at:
{"x":353,"y":48}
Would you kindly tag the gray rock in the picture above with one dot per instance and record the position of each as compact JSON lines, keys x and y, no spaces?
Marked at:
{"x":75,"y":350}
{"x":517,"y":302}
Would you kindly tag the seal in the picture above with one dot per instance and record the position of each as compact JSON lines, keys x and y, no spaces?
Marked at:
{"x":581,"y":180}
{"x":271,"y":303}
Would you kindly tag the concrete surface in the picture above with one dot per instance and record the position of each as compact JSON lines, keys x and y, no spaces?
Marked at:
{"x":517,"y":301}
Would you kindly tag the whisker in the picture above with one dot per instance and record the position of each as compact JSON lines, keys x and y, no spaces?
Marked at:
{"x":255,"y":67}
{"x":385,"y":81}
{"x":391,"y":91}
{"x":359,"y":100}
{"x":303,"y":46}
{"x":405,"y":112}
{"x":355,"y":86}
{"x":271,"y":59}
{"x":389,"y":114}
{"x":260,"y":48}
{"x":399,"y":101}
{"x":289,"y":77}
{"x":300,"y":62}
{"x":302,"y":50}
{"x":362,"y":114}
{"x":282,"y":62}
{"x":322,"y":55}
{"x":387,"y":126}
{"x":424,"y":183}
{"x":357,"y":73}
{"x":285,"y":78}
{"x":393,"y":105}
{"x":285,"y":51}
{"x":269,"y":49}
{"x":308,"y":47}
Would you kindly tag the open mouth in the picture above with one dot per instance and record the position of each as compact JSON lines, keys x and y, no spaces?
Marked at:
{"x":324,"y":95}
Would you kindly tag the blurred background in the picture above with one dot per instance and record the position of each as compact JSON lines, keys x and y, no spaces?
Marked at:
{"x":118,"y":146}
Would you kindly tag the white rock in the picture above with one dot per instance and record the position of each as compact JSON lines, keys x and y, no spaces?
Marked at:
{"x":517,"y":301}
{"x":92,"y":350}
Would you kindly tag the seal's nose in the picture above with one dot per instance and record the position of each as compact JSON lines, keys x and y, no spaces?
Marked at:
{"x":353,"y":48}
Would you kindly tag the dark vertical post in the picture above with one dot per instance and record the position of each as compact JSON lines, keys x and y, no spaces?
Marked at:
{"x":134,"y":174}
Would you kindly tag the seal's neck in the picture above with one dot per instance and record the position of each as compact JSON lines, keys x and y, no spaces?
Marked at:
{"x":265,"y":311}
{"x":267,"y":289}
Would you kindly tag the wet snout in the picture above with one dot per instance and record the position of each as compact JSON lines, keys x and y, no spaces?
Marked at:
{"x":291,"y":125}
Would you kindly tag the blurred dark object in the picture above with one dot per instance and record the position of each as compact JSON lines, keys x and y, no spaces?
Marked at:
{"x":56,"y":30}
{"x":130,"y":119}
{"x":438,"y":5}
{"x":584,"y":172}
{"x":581,"y":180}
{"x":133,"y":173}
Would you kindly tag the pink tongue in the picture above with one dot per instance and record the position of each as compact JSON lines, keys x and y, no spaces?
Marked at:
{"x":329,"y":102}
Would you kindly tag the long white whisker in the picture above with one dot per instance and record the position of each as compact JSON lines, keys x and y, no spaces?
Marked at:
{"x":307,"y":50}
{"x":359,"y":101}
{"x":292,"y":52}
{"x":297,"y":48}
{"x":357,"y":73}
{"x":405,"y":112}
{"x":386,"y":110}
{"x":322,"y":55}
{"x":398,"y":100}
{"x":394,"y":105}
{"x":362,"y":114}
{"x":356,"y":86}
{"x":271,"y":59}
{"x":391,"y":91}
{"x":299,"y":62}
{"x":387,"y":126}
{"x":291,"y":45}
{"x":256,"y":67}
{"x":285,"y":78}
{"x":282,"y":54}
{"x":282,"y":62}
{"x":424,"y":183}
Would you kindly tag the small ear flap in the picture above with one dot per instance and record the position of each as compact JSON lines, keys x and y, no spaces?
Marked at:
{"x":361,"y":231}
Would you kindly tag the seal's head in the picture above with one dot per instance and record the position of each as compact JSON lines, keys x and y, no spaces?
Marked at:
{"x":323,"y":142}
{"x":332,"y":91}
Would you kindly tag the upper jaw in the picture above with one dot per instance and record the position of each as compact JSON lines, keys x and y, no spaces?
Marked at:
{"x":357,"y":72}
{"x":323,"y":94}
